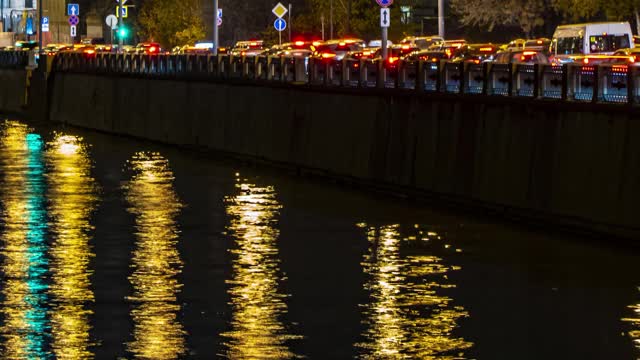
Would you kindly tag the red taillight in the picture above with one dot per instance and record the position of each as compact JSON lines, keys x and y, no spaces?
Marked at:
{"x":328,"y":55}
{"x":393,"y":59}
{"x":476,"y":61}
{"x":90,"y":51}
{"x":586,"y":60}
{"x":153,"y":49}
{"x":405,"y":47}
{"x":299,"y":43}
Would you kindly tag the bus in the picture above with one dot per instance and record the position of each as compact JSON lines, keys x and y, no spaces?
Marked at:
{"x":602,"y":38}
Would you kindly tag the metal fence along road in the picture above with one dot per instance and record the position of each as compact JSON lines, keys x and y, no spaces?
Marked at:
{"x":604,"y":83}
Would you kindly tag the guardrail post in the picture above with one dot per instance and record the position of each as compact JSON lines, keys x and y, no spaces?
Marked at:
{"x":380,"y":78}
{"x":536,"y":81}
{"x":510,"y":80}
{"x":565,"y":82}
{"x":420,"y":77}
{"x":326,"y":65}
{"x":631,"y":86}
{"x":596,"y":84}
{"x":362,"y":73}
{"x":463,"y":69}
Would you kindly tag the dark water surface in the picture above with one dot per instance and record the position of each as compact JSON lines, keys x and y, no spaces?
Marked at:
{"x":116,"y":248}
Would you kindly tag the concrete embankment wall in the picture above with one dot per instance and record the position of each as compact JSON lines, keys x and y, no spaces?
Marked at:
{"x":12,"y":90}
{"x":564,"y":164}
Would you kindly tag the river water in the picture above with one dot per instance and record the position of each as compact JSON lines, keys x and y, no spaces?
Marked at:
{"x":117,"y":248}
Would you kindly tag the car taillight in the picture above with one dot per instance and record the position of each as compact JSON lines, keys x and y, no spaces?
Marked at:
{"x":476,"y":61}
{"x":633,"y":59}
{"x":393,"y":59}
{"x":586,"y":60}
{"x":153,"y":49}
{"x":328,"y":55}
{"x":299,"y":43}
{"x":90,"y":52}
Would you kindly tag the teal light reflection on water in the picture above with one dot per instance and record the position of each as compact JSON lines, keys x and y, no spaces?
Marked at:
{"x":36,"y":298}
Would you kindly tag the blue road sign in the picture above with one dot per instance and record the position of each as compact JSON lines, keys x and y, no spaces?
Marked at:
{"x":384,"y":3}
{"x":280,"y":24}
{"x":73,"y":9}
{"x":45,"y":24}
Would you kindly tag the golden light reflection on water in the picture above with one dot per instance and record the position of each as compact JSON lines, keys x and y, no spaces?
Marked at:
{"x":408,"y":316}
{"x":73,"y":197}
{"x":257,"y":331}
{"x":634,"y":321}
{"x":156,"y":261}
{"x":23,"y":247}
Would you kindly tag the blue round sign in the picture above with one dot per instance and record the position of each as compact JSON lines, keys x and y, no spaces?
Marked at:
{"x":385,"y":3}
{"x":280,"y":24}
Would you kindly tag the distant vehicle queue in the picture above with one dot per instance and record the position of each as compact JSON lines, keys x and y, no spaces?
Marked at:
{"x":589,"y":43}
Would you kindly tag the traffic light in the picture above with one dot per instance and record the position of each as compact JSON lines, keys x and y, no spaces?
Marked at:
{"x":123,"y":32}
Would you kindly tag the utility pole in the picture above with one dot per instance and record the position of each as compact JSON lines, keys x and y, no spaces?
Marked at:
{"x":290,"y":24}
{"x":441,"y":18}
{"x":120,"y":24}
{"x":331,"y":20}
{"x":348,"y":17}
{"x":39,"y":27}
{"x":322,"y":24}
{"x":214,"y":50}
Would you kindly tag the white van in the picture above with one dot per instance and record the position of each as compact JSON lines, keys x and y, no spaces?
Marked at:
{"x":590,"y":38}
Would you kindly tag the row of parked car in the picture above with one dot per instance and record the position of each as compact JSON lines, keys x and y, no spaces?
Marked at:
{"x":590,"y":43}
{"x":430,"y":49}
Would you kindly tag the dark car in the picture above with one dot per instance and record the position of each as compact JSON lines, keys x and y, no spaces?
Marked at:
{"x":248,"y":48}
{"x":521,"y":57}
{"x":422,"y":42}
{"x":541,"y":44}
{"x":632,"y":54}
{"x":427,"y":55}
{"x":336,"y":49}
{"x":149,"y":48}
{"x":300,"y":48}
{"x":475,"y":53}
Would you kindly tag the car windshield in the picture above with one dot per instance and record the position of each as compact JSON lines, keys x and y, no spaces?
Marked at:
{"x":569,"y":45}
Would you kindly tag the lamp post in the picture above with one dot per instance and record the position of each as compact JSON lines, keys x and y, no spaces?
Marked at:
{"x":120,"y":24}
{"x":39,"y":26}
{"x":214,"y":50}
{"x":441,"y":18}
{"x":331,"y":20}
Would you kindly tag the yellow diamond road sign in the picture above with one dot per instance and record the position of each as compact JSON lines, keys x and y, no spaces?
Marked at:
{"x":279,"y":10}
